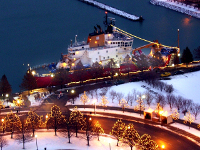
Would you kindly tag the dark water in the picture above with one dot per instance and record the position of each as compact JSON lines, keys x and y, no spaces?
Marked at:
{"x":37,"y":32}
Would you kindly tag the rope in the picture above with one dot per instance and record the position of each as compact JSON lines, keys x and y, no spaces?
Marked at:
{"x":131,"y":35}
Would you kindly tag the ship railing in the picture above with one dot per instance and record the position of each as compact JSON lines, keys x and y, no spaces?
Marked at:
{"x":92,"y":49}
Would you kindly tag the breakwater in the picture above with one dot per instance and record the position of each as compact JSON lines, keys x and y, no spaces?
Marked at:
{"x":177,"y":6}
{"x":112,"y":10}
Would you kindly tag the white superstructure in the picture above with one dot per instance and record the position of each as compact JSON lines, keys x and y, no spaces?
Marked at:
{"x":99,"y":47}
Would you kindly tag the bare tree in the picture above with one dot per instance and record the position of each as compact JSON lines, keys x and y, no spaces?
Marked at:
{"x":119,"y":96}
{"x":129,"y":98}
{"x":104,"y":90}
{"x":178,"y":102}
{"x":24,"y":135}
{"x":3,"y":141}
{"x":134,"y":94}
{"x":169,"y":88}
{"x":148,"y":98}
{"x":161,"y":100}
{"x":91,"y":93}
{"x":170,"y":99}
{"x":186,"y":105}
{"x":113,"y":95}
{"x":96,"y":94}
{"x":195,"y":109}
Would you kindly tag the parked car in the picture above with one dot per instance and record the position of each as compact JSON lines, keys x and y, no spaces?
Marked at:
{"x":108,"y":82}
{"x":178,"y":72}
{"x":133,"y":79}
{"x":119,"y":82}
{"x":165,"y":74}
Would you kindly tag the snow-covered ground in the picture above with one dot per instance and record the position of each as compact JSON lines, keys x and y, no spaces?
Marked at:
{"x":49,"y":141}
{"x":186,"y":85}
{"x":178,"y":6}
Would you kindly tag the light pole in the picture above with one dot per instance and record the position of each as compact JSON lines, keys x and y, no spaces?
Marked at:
{"x":36,"y":142}
{"x":72,"y":92}
{"x":2,"y":120}
{"x":178,"y":38}
{"x":94,"y":106}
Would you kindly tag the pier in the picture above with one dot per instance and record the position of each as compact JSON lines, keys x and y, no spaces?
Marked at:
{"x":112,"y":10}
{"x":178,"y":6}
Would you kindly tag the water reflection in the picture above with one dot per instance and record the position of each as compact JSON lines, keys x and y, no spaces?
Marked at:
{"x":186,"y":21}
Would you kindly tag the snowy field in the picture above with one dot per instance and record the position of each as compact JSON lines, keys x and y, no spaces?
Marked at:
{"x":186,"y":85}
{"x":51,"y":142}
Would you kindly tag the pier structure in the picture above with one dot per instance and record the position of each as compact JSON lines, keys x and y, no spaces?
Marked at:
{"x":112,"y":10}
{"x":178,"y":6}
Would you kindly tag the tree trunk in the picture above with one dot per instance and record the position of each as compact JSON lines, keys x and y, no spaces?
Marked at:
{"x":69,"y":136}
{"x":88,"y":140}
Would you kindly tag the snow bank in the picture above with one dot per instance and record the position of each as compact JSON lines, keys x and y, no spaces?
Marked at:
{"x":177,"y":6}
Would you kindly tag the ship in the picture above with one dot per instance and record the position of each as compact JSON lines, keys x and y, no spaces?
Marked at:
{"x":101,"y":46}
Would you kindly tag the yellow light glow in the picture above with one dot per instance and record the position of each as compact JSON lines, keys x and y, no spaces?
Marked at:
{"x":161,"y":112}
{"x":46,"y":116}
{"x":33,"y":72}
{"x":7,"y":95}
{"x":90,"y":118}
{"x":73,"y":64}
{"x":35,"y":136}
{"x":72,"y":91}
{"x":150,"y":110}
{"x":74,"y":58}
{"x":52,"y":75}
{"x":116,"y":74}
{"x":2,"y":120}
{"x":163,"y":146}
{"x":77,"y":52}
{"x":95,"y":42}
{"x":109,"y":42}
{"x":18,"y":101}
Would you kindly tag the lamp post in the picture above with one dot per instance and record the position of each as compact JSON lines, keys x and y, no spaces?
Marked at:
{"x":178,"y":38}
{"x":36,"y":142}
{"x":72,"y":92}
{"x":2,"y":120}
{"x":94,"y":106}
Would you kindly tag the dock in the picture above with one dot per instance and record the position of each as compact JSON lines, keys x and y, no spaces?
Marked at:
{"x":112,"y":10}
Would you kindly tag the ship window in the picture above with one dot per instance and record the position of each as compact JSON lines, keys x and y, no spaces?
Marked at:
{"x":106,"y":42}
{"x":96,"y":58}
{"x":118,"y":43}
{"x":108,"y":56}
{"x":124,"y":48}
{"x":98,"y":52}
{"x":126,"y":44}
{"x":113,"y":42}
{"x":106,"y":51}
{"x":104,"y":58}
{"x":130,"y":43}
{"x":116,"y":50}
{"x":82,"y":47}
{"x":116,"y":55}
{"x":73,"y":53}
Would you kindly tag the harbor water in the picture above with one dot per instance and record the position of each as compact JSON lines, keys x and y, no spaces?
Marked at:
{"x":37,"y":32}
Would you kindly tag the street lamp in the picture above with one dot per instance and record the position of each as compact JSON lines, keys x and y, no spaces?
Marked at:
{"x":163,"y":146}
{"x":73,"y":91}
{"x":95,"y":106}
{"x":36,"y":142}
{"x":2,"y":120}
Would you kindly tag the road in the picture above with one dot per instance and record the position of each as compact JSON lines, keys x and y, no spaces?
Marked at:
{"x":171,"y":140}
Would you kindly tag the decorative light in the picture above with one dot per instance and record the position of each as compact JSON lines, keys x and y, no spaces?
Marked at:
{"x":33,"y":73}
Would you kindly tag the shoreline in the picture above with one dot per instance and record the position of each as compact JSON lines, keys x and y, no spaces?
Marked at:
{"x":179,"y":7}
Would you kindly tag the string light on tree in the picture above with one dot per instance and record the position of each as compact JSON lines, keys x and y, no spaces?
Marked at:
{"x":189,"y":118}
{"x":104,"y":102}
{"x":175,"y":115}
{"x":123,"y":103}
{"x":130,"y":136}
{"x":146,"y":143}
{"x":117,"y":130}
{"x":84,"y":99}
{"x":140,"y":107}
{"x":97,"y":129}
